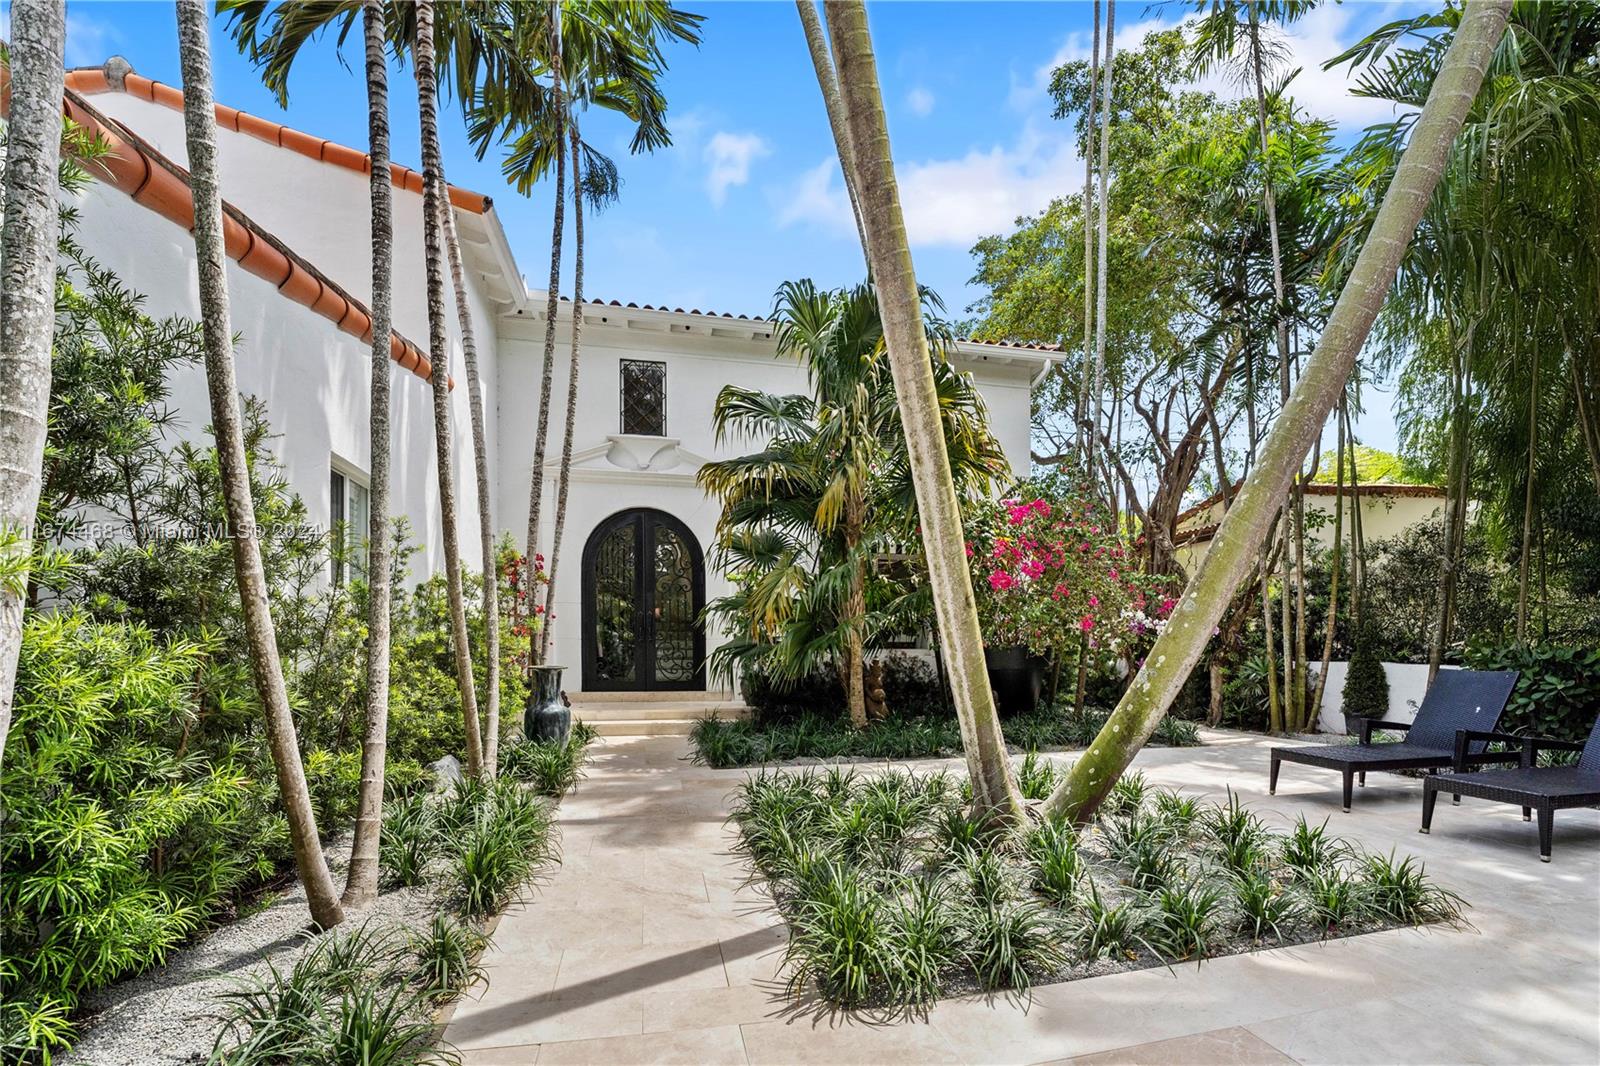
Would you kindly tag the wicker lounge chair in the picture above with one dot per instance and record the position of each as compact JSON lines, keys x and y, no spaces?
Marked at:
{"x":1459,"y":700}
{"x":1545,"y":789}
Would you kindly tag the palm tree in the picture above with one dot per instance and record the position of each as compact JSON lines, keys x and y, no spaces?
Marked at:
{"x":817,"y":44}
{"x":994,"y":789}
{"x":200,"y":135}
{"x":802,"y":517}
{"x":1245,"y":526}
{"x":439,"y":345}
{"x":361,"y":883}
{"x":27,"y":304}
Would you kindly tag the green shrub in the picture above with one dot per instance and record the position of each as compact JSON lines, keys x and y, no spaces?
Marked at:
{"x":1366,"y":687}
{"x":1557,"y":692}
{"x":446,"y":953}
{"x":553,"y":769}
{"x":119,"y":841}
{"x":497,"y":849}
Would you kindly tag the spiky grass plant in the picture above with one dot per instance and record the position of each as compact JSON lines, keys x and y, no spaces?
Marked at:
{"x":1334,"y":900}
{"x":446,"y":953}
{"x":1104,"y":929}
{"x":1184,"y":920}
{"x":1306,"y":849}
{"x":507,"y":839}
{"x":1399,"y":891}
{"x":923,"y":927}
{"x":411,"y":840}
{"x":839,"y":940}
{"x":1009,"y":941}
{"x":1127,"y":795}
{"x":1057,"y":864}
{"x":1238,"y":836}
{"x":1036,"y":776}
{"x":1262,"y":907}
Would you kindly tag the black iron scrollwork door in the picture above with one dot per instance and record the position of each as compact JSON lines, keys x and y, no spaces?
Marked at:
{"x":643,"y":588}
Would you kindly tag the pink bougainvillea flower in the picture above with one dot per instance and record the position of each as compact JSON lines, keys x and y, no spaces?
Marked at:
{"x":1086,"y":623}
{"x":1000,"y":580}
{"x":1094,"y":601}
{"x":1168,"y":604}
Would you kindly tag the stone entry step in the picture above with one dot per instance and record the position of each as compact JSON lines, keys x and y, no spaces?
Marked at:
{"x":633,"y":714}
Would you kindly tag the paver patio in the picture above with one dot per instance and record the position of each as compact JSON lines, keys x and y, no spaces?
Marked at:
{"x":644,"y":948}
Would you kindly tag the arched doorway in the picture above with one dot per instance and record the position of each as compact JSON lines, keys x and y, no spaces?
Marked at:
{"x":644,"y":585}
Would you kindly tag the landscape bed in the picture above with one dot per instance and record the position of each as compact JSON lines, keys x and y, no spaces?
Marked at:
{"x":725,"y":745}
{"x":894,"y":896}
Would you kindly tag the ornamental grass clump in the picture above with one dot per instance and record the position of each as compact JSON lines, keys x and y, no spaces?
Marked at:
{"x":500,"y":846}
{"x":896,"y":892}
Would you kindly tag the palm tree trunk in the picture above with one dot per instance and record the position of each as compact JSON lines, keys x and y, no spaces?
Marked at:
{"x":552,"y":309}
{"x":27,"y":302}
{"x":829,"y":84}
{"x":1358,"y":542}
{"x":855,"y":609}
{"x":1527,"y":503}
{"x":480,"y":463}
{"x":1181,"y":643}
{"x":361,"y":883}
{"x":1270,"y":639}
{"x":1315,"y":710}
{"x":572,"y":391}
{"x":1088,"y":236}
{"x":1092,"y":413}
{"x":439,"y":350}
{"x":993,"y":787}
{"x":1449,"y":549}
{"x":200,"y":136}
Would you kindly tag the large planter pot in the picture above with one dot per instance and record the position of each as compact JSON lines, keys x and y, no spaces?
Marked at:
{"x":1017,"y":678}
{"x":546,"y":716}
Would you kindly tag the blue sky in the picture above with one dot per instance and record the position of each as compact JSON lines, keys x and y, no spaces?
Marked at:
{"x":748,"y":194}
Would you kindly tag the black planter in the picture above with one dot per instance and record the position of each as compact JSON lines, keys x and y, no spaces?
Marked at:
{"x":547,"y":716}
{"x":1017,"y":678}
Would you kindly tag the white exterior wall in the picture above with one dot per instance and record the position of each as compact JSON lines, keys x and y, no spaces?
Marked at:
{"x":1408,"y":684}
{"x":314,"y":379}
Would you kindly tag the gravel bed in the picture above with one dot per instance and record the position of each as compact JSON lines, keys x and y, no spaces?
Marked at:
{"x":171,"y":1016}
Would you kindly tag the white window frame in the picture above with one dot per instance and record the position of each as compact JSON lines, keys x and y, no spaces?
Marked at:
{"x":350,"y":475}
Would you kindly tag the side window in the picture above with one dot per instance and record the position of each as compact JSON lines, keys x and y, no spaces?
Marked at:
{"x":349,"y":508}
{"x":644,"y":397}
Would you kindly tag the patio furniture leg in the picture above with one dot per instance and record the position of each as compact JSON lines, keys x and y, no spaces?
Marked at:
{"x":1547,"y":818}
{"x":1349,"y":779}
{"x":1527,"y":814}
{"x":1361,"y":779}
{"x":1272,"y":778}
{"x":1430,"y":796}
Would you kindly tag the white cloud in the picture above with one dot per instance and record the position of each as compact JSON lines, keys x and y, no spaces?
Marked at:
{"x":729,"y":156}
{"x":947,"y":202}
{"x":920,"y":101}
{"x":90,"y":42}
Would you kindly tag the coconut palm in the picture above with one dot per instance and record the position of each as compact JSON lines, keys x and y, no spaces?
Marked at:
{"x":1245,"y":526}
{"x":802,"y":517}
{"x":200,"y":136}
{"x":433,"y":207}
{"x":361,"y":883}
{"x":27,"y":304}
{"x":994,"y":789}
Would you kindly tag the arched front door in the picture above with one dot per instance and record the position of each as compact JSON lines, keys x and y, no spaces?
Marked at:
{"x":643,"y":587}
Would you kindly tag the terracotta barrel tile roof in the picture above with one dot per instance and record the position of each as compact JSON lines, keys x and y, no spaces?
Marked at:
{"x":115,"y":77}
{"x":153,"y":181}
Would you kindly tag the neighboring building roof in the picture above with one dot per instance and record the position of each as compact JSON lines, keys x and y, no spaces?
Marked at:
{"x":118,"y":76}
{"x":1200,"y":534}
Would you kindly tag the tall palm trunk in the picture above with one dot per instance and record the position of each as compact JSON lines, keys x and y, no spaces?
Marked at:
{"x":361,"y":883}
{"x":1092,"y":412}
{"x":552,"y":309}
{"x":439,"y":350}
{"x":855,"y":691}
{"x":993,"y":788}
{"x":1241,"y":532}
{"x":1314,"y":711}
{"x":565,"y":476}
{"x":200,"y":137}
{"x":480,"y":464}
{"x":1085,"y":382}
{"x":829,"y":85}
{"x":1450,"y":550}
{"x":1528,"y":502}
{"x":1358,"y":542}
{"x":27,"y":302}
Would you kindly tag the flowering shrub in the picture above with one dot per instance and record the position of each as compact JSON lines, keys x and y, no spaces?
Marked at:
{"x":526,"y":584}
{"x":1053,"y":574}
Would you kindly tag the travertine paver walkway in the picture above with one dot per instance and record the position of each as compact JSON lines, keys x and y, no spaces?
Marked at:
{"x":643,"y":947}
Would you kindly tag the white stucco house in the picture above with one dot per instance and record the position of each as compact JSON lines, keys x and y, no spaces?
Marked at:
{"x":638,"y":529}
